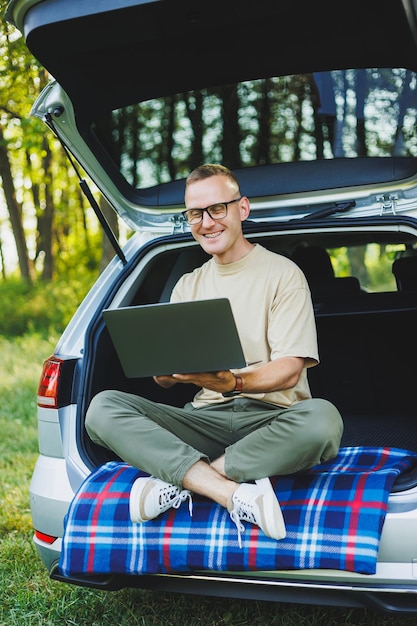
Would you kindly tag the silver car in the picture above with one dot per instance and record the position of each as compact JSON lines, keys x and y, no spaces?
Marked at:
{"x":316,"y":112}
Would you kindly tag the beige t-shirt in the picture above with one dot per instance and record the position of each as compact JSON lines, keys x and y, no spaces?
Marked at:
{"x":271,"y":303}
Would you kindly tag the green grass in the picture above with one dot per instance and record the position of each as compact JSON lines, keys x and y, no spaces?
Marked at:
{"x":29,"y":598}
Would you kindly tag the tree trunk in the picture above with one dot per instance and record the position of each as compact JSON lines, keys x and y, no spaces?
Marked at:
{"x":15,"y":209}
{"x":3,"y":265}
{"x":231,"y":132}
{"x":46,"y":235}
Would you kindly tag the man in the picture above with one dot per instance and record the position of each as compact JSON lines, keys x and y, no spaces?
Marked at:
{"x":242,"y":426}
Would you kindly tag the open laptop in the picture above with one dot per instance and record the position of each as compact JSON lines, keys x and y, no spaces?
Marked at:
{"x":175,"y":338}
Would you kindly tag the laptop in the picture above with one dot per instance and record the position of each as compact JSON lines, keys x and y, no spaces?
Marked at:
{"x":175,"y":338}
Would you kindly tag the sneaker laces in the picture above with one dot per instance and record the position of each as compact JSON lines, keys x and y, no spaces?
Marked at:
{"x":242,"y":510}
{"x":180,"y":498}
{"x":235,"y":517}
{"x":171,"y":497}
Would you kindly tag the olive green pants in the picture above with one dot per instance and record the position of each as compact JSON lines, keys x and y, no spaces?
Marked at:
{"x":258,"y":439}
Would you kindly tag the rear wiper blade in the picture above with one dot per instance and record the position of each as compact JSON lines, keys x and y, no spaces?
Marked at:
{"x":336,"y":207}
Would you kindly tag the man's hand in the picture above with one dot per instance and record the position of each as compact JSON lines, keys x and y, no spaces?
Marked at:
{"x":222,"y":381}
{"x":165,"y":381}
{"x":282,"y":373}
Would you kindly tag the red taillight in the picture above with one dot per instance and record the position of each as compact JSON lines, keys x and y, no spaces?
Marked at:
{"x":45,"y":538}
{"x":48,"y":385}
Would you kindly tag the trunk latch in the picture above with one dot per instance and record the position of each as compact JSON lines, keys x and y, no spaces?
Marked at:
{"x":388,"y":203}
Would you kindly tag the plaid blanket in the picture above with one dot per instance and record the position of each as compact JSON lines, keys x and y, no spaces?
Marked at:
{"x":334,"y":515}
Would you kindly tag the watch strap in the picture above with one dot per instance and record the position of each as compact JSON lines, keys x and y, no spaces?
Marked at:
{"x":239,"y":384}
{"x":238,"y":387}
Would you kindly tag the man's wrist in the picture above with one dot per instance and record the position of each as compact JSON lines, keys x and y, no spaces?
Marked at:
{"x":238,"y":388}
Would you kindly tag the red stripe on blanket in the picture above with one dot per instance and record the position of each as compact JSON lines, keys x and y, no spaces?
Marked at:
{"x":100,"y":498}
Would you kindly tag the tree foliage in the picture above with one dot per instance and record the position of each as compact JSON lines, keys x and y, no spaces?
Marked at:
{"x":53,"y":228}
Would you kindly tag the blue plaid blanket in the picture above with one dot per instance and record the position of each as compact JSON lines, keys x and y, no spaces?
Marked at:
{"x":334,"y":515}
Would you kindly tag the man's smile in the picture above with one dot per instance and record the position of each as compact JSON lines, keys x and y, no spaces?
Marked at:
{"x":213,"y":235}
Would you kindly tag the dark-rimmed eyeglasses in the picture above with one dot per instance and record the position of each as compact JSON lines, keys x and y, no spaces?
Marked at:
{"x":216,"y":211}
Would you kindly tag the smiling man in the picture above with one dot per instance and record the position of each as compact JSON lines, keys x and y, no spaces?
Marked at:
{"x":243,"y":426}
{"x":217,"y":228}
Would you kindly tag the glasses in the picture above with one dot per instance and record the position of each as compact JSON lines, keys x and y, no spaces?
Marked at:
{"x":216,"y":211}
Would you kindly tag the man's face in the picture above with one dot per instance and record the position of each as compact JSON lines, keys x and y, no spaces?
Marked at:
{"x":222,"y":238}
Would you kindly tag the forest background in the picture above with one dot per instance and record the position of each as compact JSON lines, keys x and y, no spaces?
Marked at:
{"x":52,"y":247}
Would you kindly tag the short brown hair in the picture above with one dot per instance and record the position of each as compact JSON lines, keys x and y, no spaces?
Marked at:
{"x":211,"y":169}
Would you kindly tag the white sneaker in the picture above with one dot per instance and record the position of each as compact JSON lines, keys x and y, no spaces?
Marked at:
{"x":258,"y":505}
{"x":149,"y":497}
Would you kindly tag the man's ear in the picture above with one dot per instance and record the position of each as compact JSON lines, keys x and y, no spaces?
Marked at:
{"x":244,"y":206}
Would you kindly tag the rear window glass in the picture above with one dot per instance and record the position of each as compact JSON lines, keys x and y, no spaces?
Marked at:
{"x":372,"y":264}
{"x":325,"y":115}
{"x":377,"y":267}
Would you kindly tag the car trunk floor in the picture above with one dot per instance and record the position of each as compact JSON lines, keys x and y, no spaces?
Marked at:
{"x":380,"y":431}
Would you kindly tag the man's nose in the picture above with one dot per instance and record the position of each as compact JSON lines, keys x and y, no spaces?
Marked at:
{"x":207,"y":219}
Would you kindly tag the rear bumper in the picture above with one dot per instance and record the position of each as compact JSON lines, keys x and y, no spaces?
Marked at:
{"x":387,"y":599}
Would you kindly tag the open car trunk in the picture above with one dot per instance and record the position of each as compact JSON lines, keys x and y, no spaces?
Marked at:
{"x":366,"y":338}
